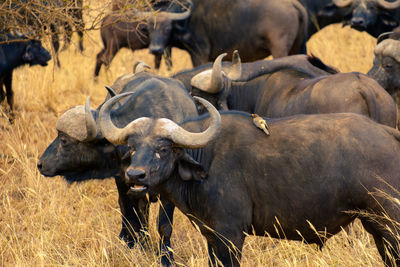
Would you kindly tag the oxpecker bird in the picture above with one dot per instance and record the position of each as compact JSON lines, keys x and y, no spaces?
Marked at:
{"x":261,"y":123}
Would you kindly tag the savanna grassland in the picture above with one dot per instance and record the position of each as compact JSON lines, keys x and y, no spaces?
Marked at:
{"x":47,"y":222}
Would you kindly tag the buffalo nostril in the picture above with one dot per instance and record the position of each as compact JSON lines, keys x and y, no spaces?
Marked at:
{"x":136,"y":174}
{"x":39,"y":165}
{"x":357,"y":22}
{"x":157,"y":51}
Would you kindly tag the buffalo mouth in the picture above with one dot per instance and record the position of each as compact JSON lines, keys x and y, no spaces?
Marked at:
{"x":136,"y":188}
{"x":358,"y":28}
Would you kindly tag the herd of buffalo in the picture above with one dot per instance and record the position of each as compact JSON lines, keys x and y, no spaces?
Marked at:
{"x":332,"y":155}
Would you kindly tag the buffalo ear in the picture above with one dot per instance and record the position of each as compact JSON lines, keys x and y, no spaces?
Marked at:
{"x":27,"y":56}
{"x":189,"y":169}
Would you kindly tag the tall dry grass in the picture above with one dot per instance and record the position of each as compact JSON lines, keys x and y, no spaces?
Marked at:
{"x":47,"y":222}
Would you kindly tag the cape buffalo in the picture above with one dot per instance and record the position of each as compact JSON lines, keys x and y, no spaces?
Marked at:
{"x":313,"y":174}
{"x":15,"y":51}
{"x":257,"y":28}
{"x":372,"y":16}
{"x":290,"y":91}
{"x":38,"y":17}
{"x":80,"y":152}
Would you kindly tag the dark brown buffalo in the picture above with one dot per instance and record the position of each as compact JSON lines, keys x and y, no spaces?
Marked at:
{"x":283,"y":92}
{"x":80,"y":152}
{"x":116,"y":34}
{"x":372,"y":16}
{"x":313,"y":174}
{"x":257,"y":28}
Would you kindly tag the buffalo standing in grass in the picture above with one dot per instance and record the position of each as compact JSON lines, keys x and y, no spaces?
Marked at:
{"x":257,"y":28}
{"x":230,"y":178}
{"x":80,"y":152}
{"x":281,"y":90}
{"x":15,"y":51}
{"x":118,"y":31}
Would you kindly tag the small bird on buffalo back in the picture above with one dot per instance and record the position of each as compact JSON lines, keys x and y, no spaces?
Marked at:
{"x":261,"y":123}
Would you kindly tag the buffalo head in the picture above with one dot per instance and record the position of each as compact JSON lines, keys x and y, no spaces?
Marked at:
{"x":386,"y":67}
{"x":36,"y":54}
{"x":161,"y":24}
{"x":370,"y":14}
{"x":157,"y":146}
{"x":79,"y":152}
{"x":214,"y":84}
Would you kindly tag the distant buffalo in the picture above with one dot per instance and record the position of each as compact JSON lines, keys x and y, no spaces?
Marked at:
{"x":15,"y":51}
{"x":257,"y":28}
{"x":123,"y":31}
{"x":372,"y":16}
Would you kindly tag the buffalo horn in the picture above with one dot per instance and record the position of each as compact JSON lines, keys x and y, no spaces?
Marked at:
{"x":342,"y":3}
{"x":169,"y":15}
{"x":383,"y":36}
{"x":388,"y":5}
{"x":111,"y":91}
{"x":91,"y":128}
{"x":183,"y":138}
{"x":208,"y":84}
{"x":389,"y":47}
{"x":236,"y":69}
{"x":110,"y":132}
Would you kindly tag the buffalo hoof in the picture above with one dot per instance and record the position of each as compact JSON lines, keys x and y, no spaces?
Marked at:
{"x":167,"y":260}
{"x":127,"y":238}
{"x":131,"y":240}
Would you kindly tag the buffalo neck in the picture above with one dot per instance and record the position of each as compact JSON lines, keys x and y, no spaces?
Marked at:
{"x":244,"y":96}
{"x":188,"y":196}
{"x":14,"y":53}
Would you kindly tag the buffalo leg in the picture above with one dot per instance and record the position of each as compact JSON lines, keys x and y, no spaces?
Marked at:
{"x":157,"y":61}
{"x":80,"y":27}
{"x":8,"y":85}
{"x":168,"y":58}
{"x":2,"y":95}
{"x":165,"y":219}
{"x":135,"y":213}
{"x":67,"y":36}
{"x":105,"y":56}
{"x":80,"y":34}
{"x":384,"y":241}
{"x":55,"y":43}
{"x":226,"y":247}
{"x":99,"y":62}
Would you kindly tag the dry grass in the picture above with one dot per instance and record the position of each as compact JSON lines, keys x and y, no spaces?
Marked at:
{"x":46,"y":222}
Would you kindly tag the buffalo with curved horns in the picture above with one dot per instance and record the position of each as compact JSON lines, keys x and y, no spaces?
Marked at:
{"x":280,"y":90}
{"x":372,"y":16}
{"x":313,"y":174}
{"x":80,"y":152}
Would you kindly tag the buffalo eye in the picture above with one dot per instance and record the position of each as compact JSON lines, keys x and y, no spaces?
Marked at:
{"x":162,"y":152}
{"x":63,"y":141}
{"x":388,"y":66}
{"x":132,"y":150}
